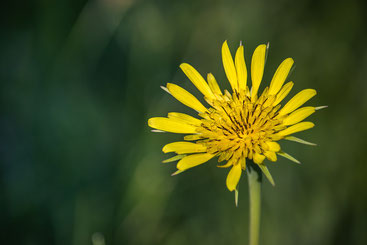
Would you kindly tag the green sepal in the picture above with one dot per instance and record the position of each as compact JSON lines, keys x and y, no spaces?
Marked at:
{"x":289,"y":157}
{"x":298,"y":140}
{"x":267,"y":174}
{"x":175,"y":158}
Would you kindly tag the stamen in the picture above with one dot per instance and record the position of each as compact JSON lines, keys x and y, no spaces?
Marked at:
{"x":238,"y":127}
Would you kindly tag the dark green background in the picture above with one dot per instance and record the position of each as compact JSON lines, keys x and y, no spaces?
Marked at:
{"x":79,"y":79}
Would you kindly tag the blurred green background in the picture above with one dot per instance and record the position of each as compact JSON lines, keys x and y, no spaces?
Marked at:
{"x":79,"y":79}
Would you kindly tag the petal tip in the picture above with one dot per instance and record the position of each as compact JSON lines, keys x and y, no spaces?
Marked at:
{"x":184,"y":66}
{"x":150,"y":122}
{"x":165,"y":149}
{"x":313,"y":92}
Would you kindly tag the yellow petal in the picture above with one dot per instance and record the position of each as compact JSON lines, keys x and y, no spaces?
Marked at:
{"x":184,"y":118}
{"x":233,"y":177}
{"x":228,"y":164}
{"x":267,"y":174}
{"x":270,"y":155}
{"x":213,"y":84}
{"x":298,"y":115}
{"x":169,"y":125}
{"x":243,"y":163}
{"x":197,"y":80}
{"x":185,"y":97}
{"x":183,"y":147}
{"x":194,"y":160}
{"x":257,"y":68}
{"x":258,"y":158}
{"x":192,"y":137}
{"x":283,"y":93}
{"x":229,"y":66}
{"x":273,"y":146}
{"x":298,"y":100}
{"x":296,"y":128}
{"x":280,"y":76}
{"x":241,"y":68}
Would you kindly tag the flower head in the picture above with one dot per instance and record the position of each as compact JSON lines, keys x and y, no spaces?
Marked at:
{"x":244,"y":124}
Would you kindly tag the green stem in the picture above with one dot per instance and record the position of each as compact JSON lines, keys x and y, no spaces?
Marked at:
{"x":254,"y":183}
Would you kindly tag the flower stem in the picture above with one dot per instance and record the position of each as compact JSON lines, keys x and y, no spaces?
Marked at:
{"x":254,"y":183}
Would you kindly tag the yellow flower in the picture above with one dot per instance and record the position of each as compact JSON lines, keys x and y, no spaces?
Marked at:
{"x":238,"y":125}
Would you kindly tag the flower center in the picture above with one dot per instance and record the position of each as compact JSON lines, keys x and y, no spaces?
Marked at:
{"x":237,"y":126}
